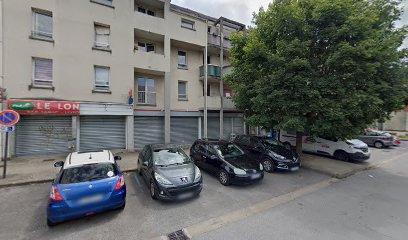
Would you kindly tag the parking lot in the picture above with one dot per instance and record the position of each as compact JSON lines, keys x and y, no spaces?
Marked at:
{"x":144,"y":218}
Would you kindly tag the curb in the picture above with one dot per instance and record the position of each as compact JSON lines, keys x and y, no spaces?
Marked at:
{"x":341,"y":175}
{"x":16,"y":184}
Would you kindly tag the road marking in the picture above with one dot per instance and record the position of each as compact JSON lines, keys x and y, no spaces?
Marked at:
{"x":240,"y":214}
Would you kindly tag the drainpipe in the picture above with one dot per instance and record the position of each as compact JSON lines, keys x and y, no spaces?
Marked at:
{"x":2,"y":67}
{"x":221,"y":79}
{"x":205,"y":83}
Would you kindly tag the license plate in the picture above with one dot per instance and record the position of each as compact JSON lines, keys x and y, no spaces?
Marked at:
{"x":255,"y":176}
{"x":91,"y":199}
{"x":185,"y":195}
{"x":294,"y":169}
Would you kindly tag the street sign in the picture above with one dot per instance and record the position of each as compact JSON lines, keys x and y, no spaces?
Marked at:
{"x":9,"y":118}
{"x":6,"y":129}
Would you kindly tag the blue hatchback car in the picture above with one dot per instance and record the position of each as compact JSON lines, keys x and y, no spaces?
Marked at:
{"x":88,"y":183}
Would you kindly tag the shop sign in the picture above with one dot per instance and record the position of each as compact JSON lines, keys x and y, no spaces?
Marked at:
{"x":40,"y":107}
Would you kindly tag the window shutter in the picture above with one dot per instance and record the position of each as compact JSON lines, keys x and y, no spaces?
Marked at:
{"x":102,"y":36}
{"x":102,"y":78}
{"x":43,"y":25}
{"x":43,"y":72}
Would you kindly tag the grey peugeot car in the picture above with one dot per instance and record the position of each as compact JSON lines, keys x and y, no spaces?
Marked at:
{"x":376,"y":138}
{"x":169,"y":172}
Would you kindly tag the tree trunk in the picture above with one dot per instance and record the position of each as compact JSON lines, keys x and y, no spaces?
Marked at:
{"x":299,"y":142}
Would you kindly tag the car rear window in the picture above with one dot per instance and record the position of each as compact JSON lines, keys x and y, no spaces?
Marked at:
{"x":89,"y":172}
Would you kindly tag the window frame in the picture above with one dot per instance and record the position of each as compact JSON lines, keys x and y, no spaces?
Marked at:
{"x":146,"y":92}
{"x":185,"y":98}
{"x":146,"y":45}
{"x":102,"y":88}
{"x":182,"y":66}
{"x":185,"y":21}
{"x":96,"y":45}
{"x":34,"y":80}
{"x":34,"y":32}
{"x":145,"y":10}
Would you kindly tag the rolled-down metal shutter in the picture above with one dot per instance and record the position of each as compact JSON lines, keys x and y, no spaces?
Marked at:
{"x":148,"y":130}
{"x":228,"y":127}
{"x":102,"y":132}
{"x":213,"y":127}
{"x":184,"y":130}
{"x":43,"y":135}
{"x":238,"y":125}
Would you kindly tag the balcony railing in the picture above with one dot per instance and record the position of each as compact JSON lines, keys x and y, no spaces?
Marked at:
{"x":214,"y":103}
{"x":214,"y":40}
{"x":213,"y":71}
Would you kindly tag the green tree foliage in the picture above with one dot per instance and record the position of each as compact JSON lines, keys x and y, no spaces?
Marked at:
{"x":325,"y":67}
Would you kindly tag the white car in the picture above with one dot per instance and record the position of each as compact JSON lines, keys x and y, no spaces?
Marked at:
{"x":354,"y":149}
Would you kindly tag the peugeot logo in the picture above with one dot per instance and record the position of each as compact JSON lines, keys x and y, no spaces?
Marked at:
{"x":90,"y":186}
{"x":184,"y":180}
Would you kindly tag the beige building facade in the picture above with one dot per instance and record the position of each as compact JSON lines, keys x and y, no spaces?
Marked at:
{"x":135,"y":67}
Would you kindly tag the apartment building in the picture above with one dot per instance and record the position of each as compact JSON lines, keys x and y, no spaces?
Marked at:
{"x":114,"y":74}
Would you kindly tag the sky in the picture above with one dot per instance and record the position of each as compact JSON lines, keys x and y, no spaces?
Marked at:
{"x":242,"y":10}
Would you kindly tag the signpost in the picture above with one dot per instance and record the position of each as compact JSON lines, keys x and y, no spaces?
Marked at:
{"x":8,"y":119}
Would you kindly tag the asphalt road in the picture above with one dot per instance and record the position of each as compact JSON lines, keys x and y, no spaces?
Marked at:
{"x":369,"y":205}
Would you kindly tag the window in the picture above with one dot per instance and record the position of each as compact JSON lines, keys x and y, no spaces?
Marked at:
{"x":42,"y":24}
{"x":88,"y":172}
{"x":146,"y":91}
{"x":102,"y":34}
{"x":145,"y":47}
{"x":187,"y":24}
{"x":104,"y":2}
{"x":182,"y":90}
{"x":146,"y":11}
{"x":182,"y":59}
{"x":102,"y":78}
{"x":42,"y":72}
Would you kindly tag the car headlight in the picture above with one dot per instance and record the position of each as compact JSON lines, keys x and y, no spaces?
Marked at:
{"x":260,"y":167}
{"x":197,"y":174}
{"x":238,"y":171}
{"x":277,"y":156}
{"x":160,"y":179}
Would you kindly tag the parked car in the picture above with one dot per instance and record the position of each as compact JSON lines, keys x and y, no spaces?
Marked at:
{"x":346,"y":150}
{"x":397,"y":141}
{"x":376,"y":138}
{"x":270,"y":152}
{"x":169,"y":172}
{"x":88,"y":183}
{"x":226,"y":161}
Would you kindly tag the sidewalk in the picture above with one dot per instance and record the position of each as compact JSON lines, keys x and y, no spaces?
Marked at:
{"x":38,"y":169}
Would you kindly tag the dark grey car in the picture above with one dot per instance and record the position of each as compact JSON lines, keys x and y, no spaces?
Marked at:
{"x":169,"y":172}
{"x":377,"y":139}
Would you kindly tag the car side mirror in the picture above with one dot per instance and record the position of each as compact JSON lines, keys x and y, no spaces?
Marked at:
{"x":59,"y":164}
{"x":117,"y":158}
{"x":213,"y":157}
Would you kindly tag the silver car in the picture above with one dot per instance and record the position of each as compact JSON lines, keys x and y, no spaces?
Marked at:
{"x":377,"y":139}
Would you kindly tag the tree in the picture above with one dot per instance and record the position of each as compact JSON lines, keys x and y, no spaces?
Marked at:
{"x":322,"y":67}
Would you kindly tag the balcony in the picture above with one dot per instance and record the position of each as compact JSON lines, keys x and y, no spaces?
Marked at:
{"x":214,"y":103}
{"x":214,"y":71}
{"x":214,"y":40}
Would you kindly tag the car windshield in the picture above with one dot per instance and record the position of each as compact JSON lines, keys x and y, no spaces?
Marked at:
{"x":88,"y":172}
{"x":274,"y":142}
{"x":228,"y":150}
{"x":170,"y":156}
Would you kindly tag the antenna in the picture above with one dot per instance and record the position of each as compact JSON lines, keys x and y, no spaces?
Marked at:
{"x":90,"y":156}
{"x":70,"y":155}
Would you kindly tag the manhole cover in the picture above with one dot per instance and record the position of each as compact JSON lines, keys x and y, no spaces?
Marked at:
{"x":178,"y":235}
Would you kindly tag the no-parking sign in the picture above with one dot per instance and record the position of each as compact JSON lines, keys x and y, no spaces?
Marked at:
{"x":9,"y":118}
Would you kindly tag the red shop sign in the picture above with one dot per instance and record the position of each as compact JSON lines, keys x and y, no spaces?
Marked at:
{"x":39,"y":107}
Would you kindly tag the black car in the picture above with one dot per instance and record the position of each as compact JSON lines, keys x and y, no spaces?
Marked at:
{"x":226,"y":161}
{"x":270,"y":152}
{"x":169,"y":172}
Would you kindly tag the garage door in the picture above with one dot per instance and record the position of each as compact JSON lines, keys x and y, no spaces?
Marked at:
{"x":102,"y":132}
{"x":148,"y":130}
{"x":43,"y":135}
{"x":184,"y":130}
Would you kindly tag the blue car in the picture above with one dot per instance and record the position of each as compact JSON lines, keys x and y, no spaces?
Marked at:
{"x":88,"y":183}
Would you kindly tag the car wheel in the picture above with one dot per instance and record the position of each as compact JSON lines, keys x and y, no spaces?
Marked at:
{"x":50,"y":223}
{"x":287,"y":145}
{"x":378,"y":145}
{"x":268,"y":165}
{"x":341,"y":155}
{"x":224,"y":178}
{"x":153,"y":193}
